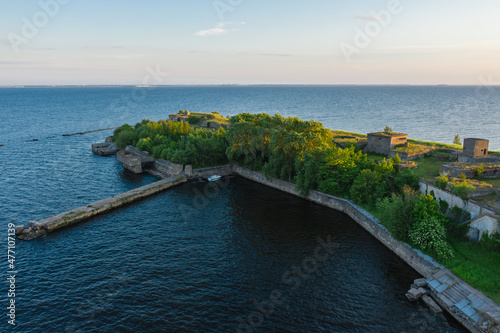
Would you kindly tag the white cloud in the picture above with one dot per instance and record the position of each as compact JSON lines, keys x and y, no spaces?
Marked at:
{"x":218,"y":30}
{"x":369,"y":17}
{"x":211,"y":32}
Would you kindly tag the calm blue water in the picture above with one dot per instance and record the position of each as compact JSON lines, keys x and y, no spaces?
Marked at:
{"x":146,"y":269}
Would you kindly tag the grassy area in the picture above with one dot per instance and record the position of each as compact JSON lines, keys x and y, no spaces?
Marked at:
{"x":477,"y":264}
{"x":475,"y":166}
{"x":348,"y":139}
{"x":435,"y":144}
{"x":488,"y":200}
{"x":428,"y":168}
{"x":337,"y":133}
{"x":213,"y":116}
{"x":375,"y":157}
{"x":412,"y":148}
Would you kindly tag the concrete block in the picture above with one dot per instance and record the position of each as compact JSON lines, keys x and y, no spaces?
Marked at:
{"x":431,"y":304}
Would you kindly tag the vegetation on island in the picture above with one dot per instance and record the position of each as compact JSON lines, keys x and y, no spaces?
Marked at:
{"x":309,"y":155}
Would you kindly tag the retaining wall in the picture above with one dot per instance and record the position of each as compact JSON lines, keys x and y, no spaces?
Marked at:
{"x":471,"y":206}
{"x":469,"y":306}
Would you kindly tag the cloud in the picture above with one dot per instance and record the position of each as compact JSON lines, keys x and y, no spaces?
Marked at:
{"x":368,"y":17}
{"x":219,"y":29}
{"x":211,"y":32}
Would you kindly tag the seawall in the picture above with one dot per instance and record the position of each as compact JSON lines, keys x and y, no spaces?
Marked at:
{"x":467,"y":305}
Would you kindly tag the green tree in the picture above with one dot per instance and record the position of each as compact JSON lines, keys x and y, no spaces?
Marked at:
{"x":397,"y":213}
{"x":368,"y":187}
{"x":457,"y":141}
{"x":387,"y":129}
{"x":339,"y":169}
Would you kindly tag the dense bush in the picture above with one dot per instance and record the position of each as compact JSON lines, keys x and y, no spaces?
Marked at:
{"x":430,"y":234}
{"x":396,"y":213}
{"x":463,"y":190}
{"x":175,"y":141}
{"x":368,"y":187}
{"x":194,"y":120}
{"x":441,"y":181}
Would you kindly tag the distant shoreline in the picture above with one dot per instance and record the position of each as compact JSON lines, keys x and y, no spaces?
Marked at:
{"x":238,"y":85}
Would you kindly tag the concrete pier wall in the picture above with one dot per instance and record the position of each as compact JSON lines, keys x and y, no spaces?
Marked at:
{"x":40,"y":228}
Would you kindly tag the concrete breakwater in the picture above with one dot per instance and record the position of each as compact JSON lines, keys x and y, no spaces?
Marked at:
{"x":85,"y":132}
{"x":40,"y":228}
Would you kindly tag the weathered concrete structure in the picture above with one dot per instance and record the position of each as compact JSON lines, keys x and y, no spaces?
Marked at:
{"x":104,"y":149}
{"x":134,"y":160}
{"x":130,"y":161}
{"x":474,"y":208}
{"x":491,"y":169}
{"x":474,"y":147}
{"x":168,"y":167}
{"x":476,"y":151}
{"x":383,"y":143}
{"x":485,"y":224}
{"x":408,"y":156}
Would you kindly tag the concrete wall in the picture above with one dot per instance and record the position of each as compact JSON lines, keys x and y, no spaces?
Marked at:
{"x":168,"y":167}
{"x":471,"y":206}
{"x":422,"y":263}
{"x":222,"y":170}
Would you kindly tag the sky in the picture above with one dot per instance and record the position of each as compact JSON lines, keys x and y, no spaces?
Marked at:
{"x":186,"y":42}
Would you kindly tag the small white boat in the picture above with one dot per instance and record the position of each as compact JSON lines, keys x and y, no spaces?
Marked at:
{"x":214,"y":178}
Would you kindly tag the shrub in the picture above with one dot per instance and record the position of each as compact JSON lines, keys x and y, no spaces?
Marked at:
{"x":457,"y":141}
{"x":443,"y":206}
{"x":480,"y":171}
{"x":387,"y":129}
{"x":396,"y":159}
{"x":462,"y":176}
{"x":194,"y":120}
{"x":458,"y":215}
{"x":430,"y":234}
{"x":396,"y":213}
{"x":427,"y":207}
{"x":406,"y":177}
{"x":124,"y":135}
{"x":441,"y":181}
{"x":463,"y":190}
